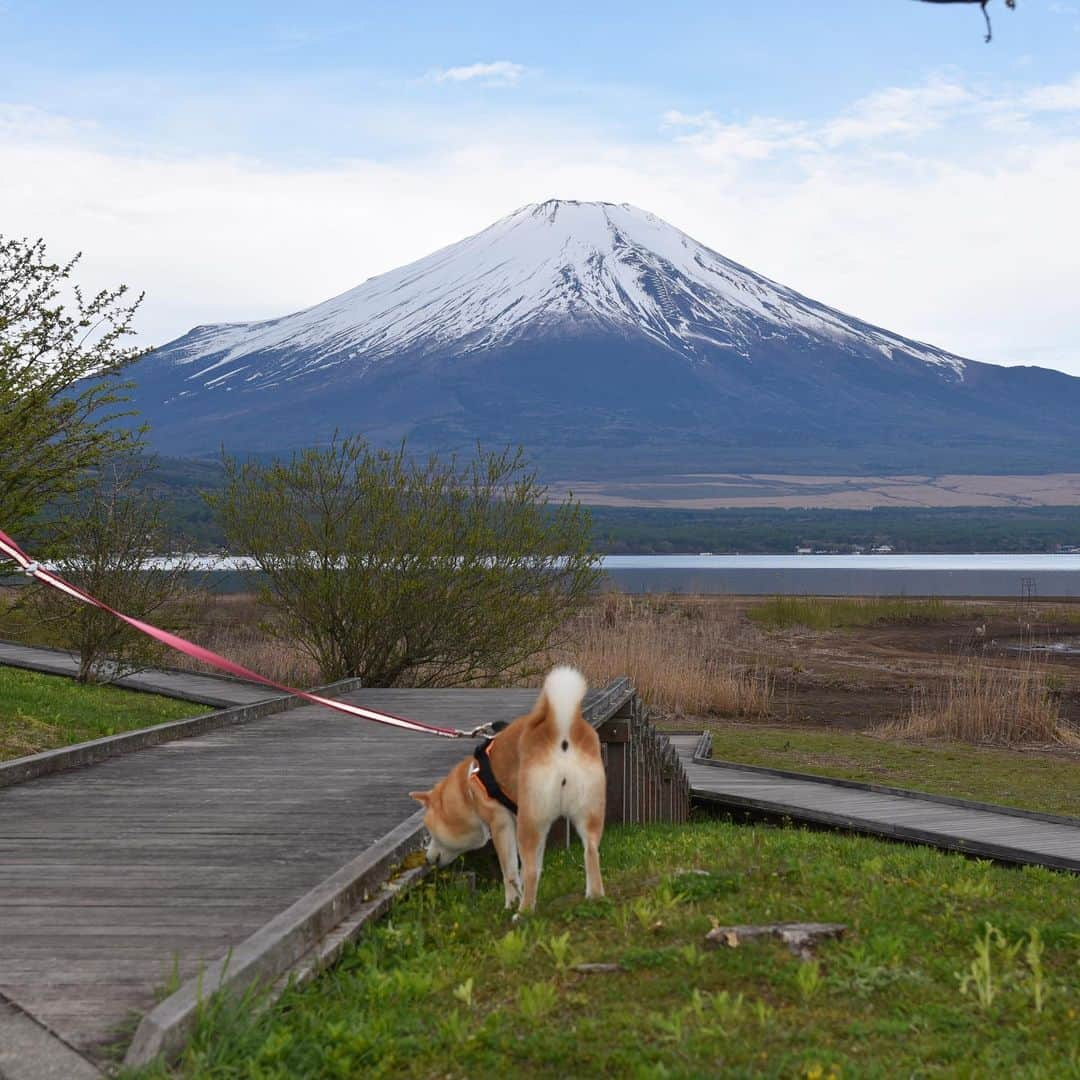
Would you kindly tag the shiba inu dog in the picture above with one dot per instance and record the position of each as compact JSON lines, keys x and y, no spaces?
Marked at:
{"x":542,"y":766}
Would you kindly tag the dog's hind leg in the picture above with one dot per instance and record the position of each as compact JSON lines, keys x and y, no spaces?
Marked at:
{"x":504,"y":837}
{"x":531,"y":839}
{"x":590,"y":827}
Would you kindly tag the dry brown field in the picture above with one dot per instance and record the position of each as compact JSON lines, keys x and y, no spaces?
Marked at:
{"x":716,"y":491}
{"x":703,"y":657}
{"x":887,"y":667}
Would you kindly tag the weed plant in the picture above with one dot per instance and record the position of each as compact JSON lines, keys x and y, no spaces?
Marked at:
{"x":980,"y":703}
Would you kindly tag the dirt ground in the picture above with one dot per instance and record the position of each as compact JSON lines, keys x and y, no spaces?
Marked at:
{"x":862,"y":677}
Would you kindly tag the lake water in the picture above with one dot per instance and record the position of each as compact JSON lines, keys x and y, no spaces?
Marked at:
{"x":848,"y":575}
{"x":814,"y":575}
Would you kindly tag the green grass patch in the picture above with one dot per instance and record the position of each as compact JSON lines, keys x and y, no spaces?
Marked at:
{"x":817,"y":613}
{"x":1049,"y":783}
{"x":42,"y":712}
{"x":449,"y":987}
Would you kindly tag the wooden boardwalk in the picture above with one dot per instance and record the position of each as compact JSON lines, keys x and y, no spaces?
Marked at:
{"x":124,"y":876}
{"x":214,"y":690}
{"x":990,"y":832}
{"x":121,"y":877}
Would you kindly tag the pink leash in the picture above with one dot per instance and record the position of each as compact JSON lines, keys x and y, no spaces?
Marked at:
{"x":197,"y":652}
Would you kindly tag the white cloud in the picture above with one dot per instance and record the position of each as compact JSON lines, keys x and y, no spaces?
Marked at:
{"x":497,"y":73}
{"x":754,"y":140}
{"x":898,"y":111}
{"x":1059,"y":97}
{"x":891,"y":114}
{"x":963,"y":235}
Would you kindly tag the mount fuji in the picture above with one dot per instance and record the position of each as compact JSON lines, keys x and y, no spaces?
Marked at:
{"x":604,"y":340}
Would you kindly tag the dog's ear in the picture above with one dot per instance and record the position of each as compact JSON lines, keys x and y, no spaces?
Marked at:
{"x":421,"y":796}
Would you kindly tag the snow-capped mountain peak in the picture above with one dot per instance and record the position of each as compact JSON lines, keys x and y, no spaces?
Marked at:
{"x":572,"y":266}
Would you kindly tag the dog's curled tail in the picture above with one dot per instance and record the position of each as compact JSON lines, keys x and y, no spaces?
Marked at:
{"x":564,"y":691}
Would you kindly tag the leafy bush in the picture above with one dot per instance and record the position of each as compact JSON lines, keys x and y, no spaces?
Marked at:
{"x":407,"y":573}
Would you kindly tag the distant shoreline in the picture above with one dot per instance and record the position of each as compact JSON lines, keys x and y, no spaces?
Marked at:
{"x":1009,"y":576}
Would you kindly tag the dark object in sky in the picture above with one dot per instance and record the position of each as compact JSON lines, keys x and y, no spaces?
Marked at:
{"x":982,"y":4}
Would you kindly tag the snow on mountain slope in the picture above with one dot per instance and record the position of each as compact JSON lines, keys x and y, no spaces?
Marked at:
{"x":570,"y":265}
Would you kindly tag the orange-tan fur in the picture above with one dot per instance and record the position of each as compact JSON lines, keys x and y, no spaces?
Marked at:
{"x":544,"y":779}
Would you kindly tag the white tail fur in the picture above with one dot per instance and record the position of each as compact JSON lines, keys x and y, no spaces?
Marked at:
{"x":564,"y":689}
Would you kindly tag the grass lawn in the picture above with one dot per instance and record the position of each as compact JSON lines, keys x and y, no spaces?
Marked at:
{"x":449,"y":987}
{"x":1034,"y":781}
{"x":41,"y":712}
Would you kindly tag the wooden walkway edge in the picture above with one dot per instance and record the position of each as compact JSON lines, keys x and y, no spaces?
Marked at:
{"x":979,"y":829}
{"x":285,"y":940}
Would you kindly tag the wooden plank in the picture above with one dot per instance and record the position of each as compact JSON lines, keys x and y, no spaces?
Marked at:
{"x":703,"y":750}
{"x":30,"y":1052}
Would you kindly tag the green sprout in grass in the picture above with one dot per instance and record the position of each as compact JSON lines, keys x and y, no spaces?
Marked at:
{"x":808,"y":979}
{"x":464,"y":992}
{"x":558,"y":948}
{"x":535,"y":1001}
{"x":510,"y":949}
{"x":981,"y":976}
{"x":1035,"y":981}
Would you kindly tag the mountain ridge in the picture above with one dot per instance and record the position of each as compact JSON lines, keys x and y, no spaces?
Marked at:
{"x":586,"y":330}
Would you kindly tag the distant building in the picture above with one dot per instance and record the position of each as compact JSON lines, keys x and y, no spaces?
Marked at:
{"x":804,"y":551}
{"x":882,"y":549}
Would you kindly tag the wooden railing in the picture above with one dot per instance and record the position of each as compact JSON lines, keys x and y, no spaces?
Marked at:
{"x":645,"y":779}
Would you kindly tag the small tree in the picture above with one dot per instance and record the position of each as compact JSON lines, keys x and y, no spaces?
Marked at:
{"x":59,"y":401}
{"x":406,"y":573}
{"x":112,"y":530}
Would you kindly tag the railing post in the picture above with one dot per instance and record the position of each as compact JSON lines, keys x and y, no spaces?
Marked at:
{"x":645,"y":779}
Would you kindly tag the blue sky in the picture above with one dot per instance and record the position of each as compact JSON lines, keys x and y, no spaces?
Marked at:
{"x":238,"y":160}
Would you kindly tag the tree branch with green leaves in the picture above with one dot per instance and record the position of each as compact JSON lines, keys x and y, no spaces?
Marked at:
{"x":61,"y":402}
